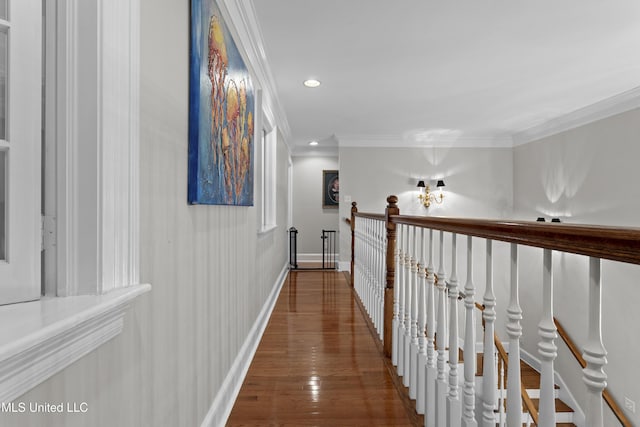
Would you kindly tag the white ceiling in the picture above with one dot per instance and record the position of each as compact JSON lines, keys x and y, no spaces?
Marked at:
{"x":423,"y":70}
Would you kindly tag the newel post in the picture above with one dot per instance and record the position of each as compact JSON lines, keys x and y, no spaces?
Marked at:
{"x":354,"y":209}
{"x":392,"y":209}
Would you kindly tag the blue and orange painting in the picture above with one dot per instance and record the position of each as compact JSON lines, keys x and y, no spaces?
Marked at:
{"x":221,"y":113}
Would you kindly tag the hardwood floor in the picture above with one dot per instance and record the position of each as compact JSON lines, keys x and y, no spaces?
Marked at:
{"x":318,"y":363}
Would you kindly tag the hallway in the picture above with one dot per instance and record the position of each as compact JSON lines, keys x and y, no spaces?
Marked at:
{"x":318,"y":363}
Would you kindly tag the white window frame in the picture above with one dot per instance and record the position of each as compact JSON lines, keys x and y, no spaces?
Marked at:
{"x":268,"y":182}
{"x":20,"y":268}
{"x":92,"y":218}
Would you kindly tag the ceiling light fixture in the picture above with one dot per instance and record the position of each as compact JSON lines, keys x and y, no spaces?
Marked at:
{"x":311,"y":83}
{"x":314,"y":143}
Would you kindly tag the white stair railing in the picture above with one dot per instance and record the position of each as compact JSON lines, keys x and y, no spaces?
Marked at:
{"x":370,"y":273}
{"x":417,"y":344}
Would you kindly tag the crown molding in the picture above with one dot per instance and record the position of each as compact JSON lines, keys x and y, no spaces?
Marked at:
{"x":444,"y":141}
{"x":242,"y":18}
{"x":299,"y":151}
{"x":607,"y":107}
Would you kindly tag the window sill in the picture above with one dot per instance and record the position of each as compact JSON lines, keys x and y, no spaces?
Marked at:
{"x":48,"y":335}
{"x":267,"y":228}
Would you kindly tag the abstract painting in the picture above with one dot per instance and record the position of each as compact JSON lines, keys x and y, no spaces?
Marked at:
{"x":221,"y":113}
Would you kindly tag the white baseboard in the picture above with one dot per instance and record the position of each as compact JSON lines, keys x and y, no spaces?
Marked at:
{"x":226,"y":397}
{"x":309,"y":258}
{"x":344,"y":266}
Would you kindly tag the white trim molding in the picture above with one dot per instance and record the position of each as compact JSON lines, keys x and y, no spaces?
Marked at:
{"x":623,"y":102}
{"x":96,"y":76}
{"x":245,"y":27}
{"x":51,"y":334}
{"x":223,"y":403}
{"x":425,"y":139}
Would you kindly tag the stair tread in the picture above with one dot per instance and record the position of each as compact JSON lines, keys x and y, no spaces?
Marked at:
{"x":560,"y":405}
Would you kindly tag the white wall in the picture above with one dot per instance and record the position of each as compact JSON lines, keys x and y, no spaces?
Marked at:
{"x":309,"y":217}
{"x":586,"y":175}
{"x":210,"y":271}
{"x":478,"y":182}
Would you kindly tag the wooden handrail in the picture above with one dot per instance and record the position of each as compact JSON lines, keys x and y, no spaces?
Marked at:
{"x":569,"y":342}
{"x":615,"y":408}
{"x":613,"y":243}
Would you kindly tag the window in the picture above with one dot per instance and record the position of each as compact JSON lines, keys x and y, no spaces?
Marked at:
{"x":91,"y":143}
{"x":269,"y":146}
{"x":20,"y":141}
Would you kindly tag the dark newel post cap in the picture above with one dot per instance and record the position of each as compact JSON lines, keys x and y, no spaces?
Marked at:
{"x":392,"y":201}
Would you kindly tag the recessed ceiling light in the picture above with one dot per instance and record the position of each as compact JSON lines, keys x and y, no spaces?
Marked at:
{"x":313,"y":143}
{"x":311,"y":83}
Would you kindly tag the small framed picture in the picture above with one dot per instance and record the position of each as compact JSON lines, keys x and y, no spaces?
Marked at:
{"x":330,"y":189}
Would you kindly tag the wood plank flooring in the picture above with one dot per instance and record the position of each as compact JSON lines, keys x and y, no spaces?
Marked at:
{"x":318,"y":363}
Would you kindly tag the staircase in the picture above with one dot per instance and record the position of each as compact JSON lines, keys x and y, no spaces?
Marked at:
{"x":531,"y":382}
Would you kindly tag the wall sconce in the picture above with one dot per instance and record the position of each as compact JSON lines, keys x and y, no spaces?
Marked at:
{"x":426,"y":197}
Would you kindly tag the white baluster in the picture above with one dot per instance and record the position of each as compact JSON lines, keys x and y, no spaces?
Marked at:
{"x":357,"y":257}
{"x":454,"y":407}
{"x":396,"y":301}
{"x":401,"y":273}
{"x":363,"y":272}
{"x":378,"y":278}
{"x":501,"y":414}
{"x":409,"y":265}
{"x":422,"y":322}
{"x":441,"y":335}
{"x":594,"y":352}
{"x":514,"y":314}
{"x":468,"y":416}
{"x":431,"y":370}
{"x":383,"y":275}
{"x":372,"y":281}
{"x":489,"y":379}
{"x":369,"y":267}
{"x":547,"y":347}
{"x":413,"y":381}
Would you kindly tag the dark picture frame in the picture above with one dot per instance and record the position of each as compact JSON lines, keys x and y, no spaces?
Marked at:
{"x":330,"y":189}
